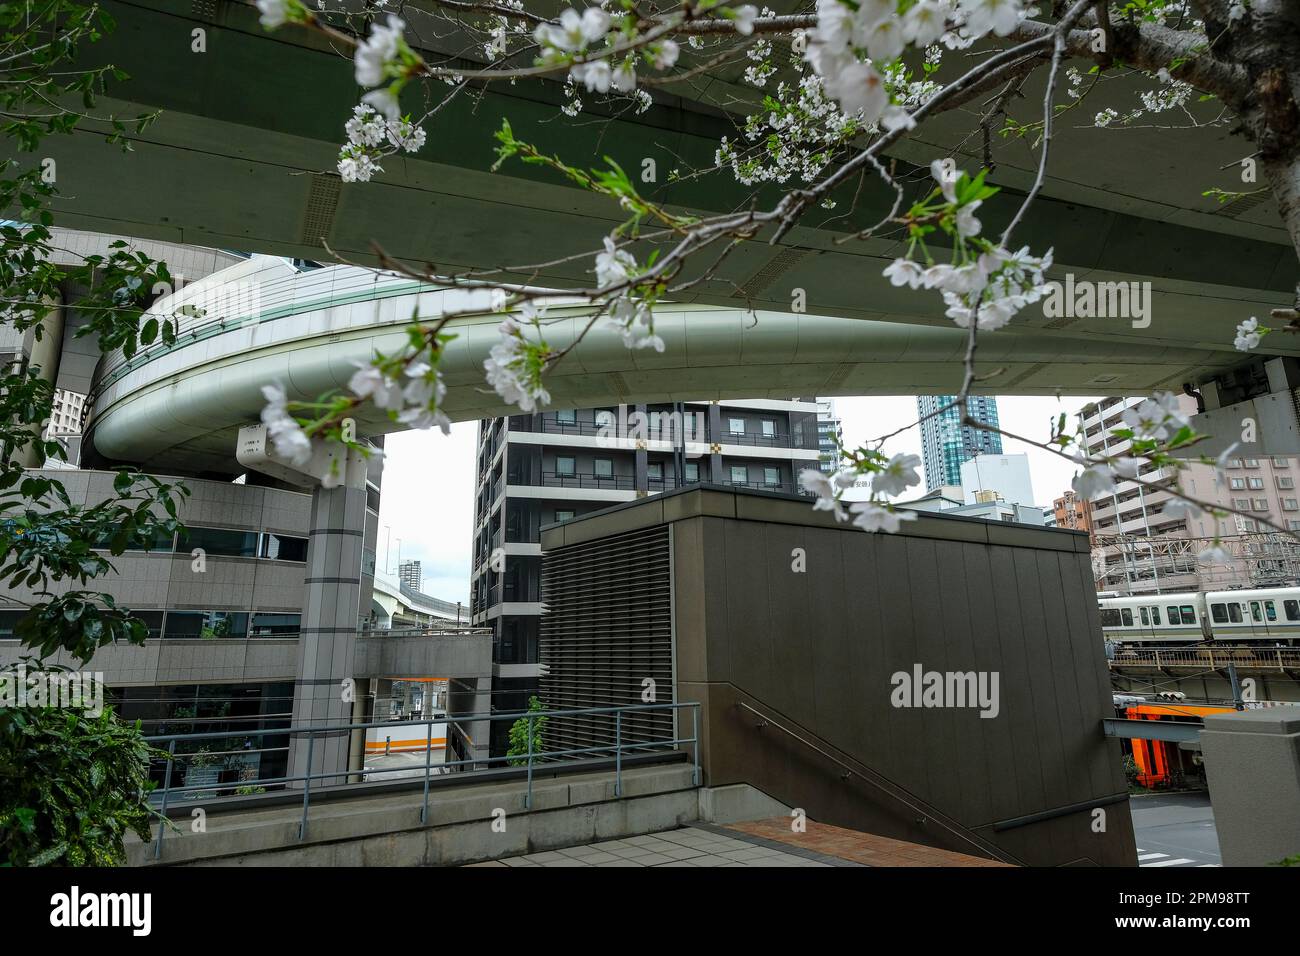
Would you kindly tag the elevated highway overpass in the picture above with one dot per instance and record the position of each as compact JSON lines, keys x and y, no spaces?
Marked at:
{"x":179,"y":407}
{"x":243,"y":153}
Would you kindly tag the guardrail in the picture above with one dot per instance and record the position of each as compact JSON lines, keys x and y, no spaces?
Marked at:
{"x":1212,"y":658}
{"x":617,"y":750}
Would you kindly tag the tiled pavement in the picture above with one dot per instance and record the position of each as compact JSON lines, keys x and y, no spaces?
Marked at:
{"x":760,"y":843}
{"x":689,"y":846}
{"x":866,"y":849}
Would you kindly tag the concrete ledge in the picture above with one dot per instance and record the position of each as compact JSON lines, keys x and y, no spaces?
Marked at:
{"x":738,"y":803}
{"x":465,"y":823}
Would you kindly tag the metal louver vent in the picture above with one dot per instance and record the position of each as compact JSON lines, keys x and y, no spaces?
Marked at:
{"x":607,"y":627}
{"x":772,"y":270}
{"x":322,"y":201}
{"x":204,"y":9}
{"x":1242,"y":204}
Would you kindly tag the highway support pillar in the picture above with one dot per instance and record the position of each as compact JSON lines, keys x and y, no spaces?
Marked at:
{"x":324,"y":691}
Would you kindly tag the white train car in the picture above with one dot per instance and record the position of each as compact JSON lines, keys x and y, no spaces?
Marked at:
{"x":1178,"y":618}
{"x":1265,"y":614}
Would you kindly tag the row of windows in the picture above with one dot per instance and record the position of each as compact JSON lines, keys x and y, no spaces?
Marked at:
{"x":607,"y":418}
{"x":566,"y":465}
{"x":234,"y":544}
{"x":1254,"y":462}
{"x":1238,"y":484}
{"x":1259,"y":612}
{"x":1261,"y":504}
{"x":195,"y":624}
{"x":1148,"y":616}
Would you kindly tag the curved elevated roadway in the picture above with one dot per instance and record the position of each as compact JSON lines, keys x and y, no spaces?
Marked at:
{"x":179,"y":407}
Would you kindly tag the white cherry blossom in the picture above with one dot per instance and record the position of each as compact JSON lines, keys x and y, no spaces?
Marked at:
{"x":286,"y":434}
{"x":378,"y":51}
{"x":1248,"y":335}
{"x":870,"y":516}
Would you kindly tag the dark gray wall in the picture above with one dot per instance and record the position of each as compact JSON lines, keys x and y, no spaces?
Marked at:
{"x":814,"y":652}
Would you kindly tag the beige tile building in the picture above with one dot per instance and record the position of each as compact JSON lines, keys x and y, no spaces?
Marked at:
{"x":1137,"y":547}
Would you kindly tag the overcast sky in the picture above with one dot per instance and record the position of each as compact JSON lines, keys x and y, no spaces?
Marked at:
{"x":427,"y":509}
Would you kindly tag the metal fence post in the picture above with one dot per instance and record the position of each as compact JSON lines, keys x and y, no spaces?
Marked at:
{"x":167,"y":785}
{"x":428,"y":758}
{"x":618,"y":753}
{"x":528,"y":795}
{"x":306,"y":789}
{"x":695,"y":734}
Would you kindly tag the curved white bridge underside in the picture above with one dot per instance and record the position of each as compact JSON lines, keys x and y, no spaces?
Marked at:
{"x":179,"y":408}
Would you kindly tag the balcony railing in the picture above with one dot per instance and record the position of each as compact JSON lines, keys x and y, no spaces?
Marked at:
{"x":555,"y":479}
{"x":783,"y":487}
{"x":762,"y":441}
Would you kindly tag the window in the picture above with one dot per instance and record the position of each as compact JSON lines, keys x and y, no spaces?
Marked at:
{"x":1256,"y":483}
{"x":1234,"y":613}
{"x":1219,"y":613}
{"x":1283,"y":481}
{"x":1281,"y":462}
{"x":1234,"y":463}
{"x":270,"y":624}
{"x":1236,"y":484}
{"x":1290,"y":504}
{"x":769,"y":428}
{"x":1261,"y":504}
{"x":1127,"y":616}
{"x":161,"y":542}
{"x":1109,"y":617}
{"x":1293,"y":525}
{"x":692,"y":471}
{"x":563,"y":515}
{"x":565,"y":465}
{"x":1189,"y":614}
{"x":183,"y":624}
{"x":1255,"y":614}
{"x":568,"y":417}
{"x":1241,"y":504}
{"x":1155,"y":615}
{"x":604,"y":468}
{"x":1145,"y":617}
{"x":1250,"y":462}
{"x":654,"y":470}
{"x":739,"y":474}
{"x":231,"y":544}
{"x":771,"y":476}
{"x":1270,"y":612}
{"x":284,"y":547}
{"x":1174,"y":617}
{"x":736,"y":426}
{"x":1292,"y":610}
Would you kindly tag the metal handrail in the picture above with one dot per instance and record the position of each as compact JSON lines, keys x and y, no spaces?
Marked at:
{"x":617,"y":749}
{"x":902,"y":795}
{"x":1214,"y":656}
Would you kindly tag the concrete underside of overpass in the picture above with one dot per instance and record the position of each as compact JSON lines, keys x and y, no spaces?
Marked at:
{"x":243,"y":153}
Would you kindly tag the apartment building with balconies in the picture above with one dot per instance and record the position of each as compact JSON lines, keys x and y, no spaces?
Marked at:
{"x":547,"y":467}
{"x":1141,"y":548}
